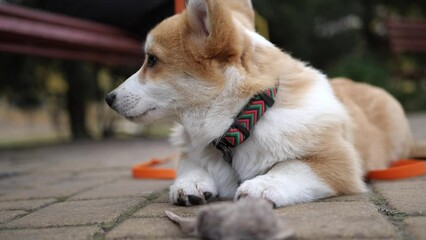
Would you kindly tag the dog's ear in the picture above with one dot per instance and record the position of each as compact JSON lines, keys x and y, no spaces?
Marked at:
{"x":245,"y":9}
{"x":198,"y":17}
{"x":212,"y":26}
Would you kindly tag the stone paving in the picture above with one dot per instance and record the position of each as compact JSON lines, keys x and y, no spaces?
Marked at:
{"x":85,"y":191}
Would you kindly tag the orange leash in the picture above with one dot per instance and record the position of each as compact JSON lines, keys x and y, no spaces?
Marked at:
{"x":148,"y":170}
{"x":179,"y":6}
{"x":400,"y":169}
{"x":405,"y":168}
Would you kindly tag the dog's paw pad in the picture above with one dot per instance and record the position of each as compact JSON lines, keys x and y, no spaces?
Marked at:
{"x":194,"y":200}
{"x":189,"y":193}
{"x":207,"y":195}
{"x":258,"y":188}
{"x":181,"y":202}
{"x":188,"y":200}
{"x":242,"y":195}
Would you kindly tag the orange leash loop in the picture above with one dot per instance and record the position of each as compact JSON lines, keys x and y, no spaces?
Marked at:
{"x":179,"y":6}
{"x":400,"y":169}
{"x":147,"y":170}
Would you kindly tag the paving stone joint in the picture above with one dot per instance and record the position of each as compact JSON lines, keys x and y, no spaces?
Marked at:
{"x":83,"y":191}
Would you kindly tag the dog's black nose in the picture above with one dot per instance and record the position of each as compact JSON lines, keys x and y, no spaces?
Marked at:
{"x":110,"y":98}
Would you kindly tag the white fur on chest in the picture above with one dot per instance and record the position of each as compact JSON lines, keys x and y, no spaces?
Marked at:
{"x":282,"y":134}
{"x":288,"y":134}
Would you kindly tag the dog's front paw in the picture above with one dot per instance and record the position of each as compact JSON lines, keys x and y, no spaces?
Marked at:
{"x":260,"y":187}
{"x":187,"y":192}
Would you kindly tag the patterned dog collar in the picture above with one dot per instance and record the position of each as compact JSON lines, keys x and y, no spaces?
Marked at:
{"x":245,"y":121}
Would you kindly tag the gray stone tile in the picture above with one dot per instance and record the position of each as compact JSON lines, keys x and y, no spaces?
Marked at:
{"x":24,"y":163}
{"x":418,"y":124}
{"x":105,"y":155}
{"x":157,"y":210}
{"x":404,"y":196}
{"x":56,"y":190}
{"x":33,"y":180}
{"x":416,"y":226}
{"x":6,"y":190}
{"x":20,"y":182}
{"x":76,"y":213}
{"x":27,"y":205}
{"x":399,"y":184}
{"x":145,"y":228}
{"x":327,"y":220}
{"x":65,"y":233}
{"x":9,"y":215}
{"x":125,"y":188}
{"x":363,"y":197}
{"x":163,"y":197}
{"x":110,"y":174}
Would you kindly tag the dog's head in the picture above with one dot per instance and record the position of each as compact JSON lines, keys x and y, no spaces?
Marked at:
{"x":186,"y":61}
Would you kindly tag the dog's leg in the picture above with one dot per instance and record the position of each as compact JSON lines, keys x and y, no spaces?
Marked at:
{"x":288,"y":182}
{"x":193,"y":186}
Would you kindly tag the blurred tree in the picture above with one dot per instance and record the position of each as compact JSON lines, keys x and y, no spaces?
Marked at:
{"x":19,"y":84}
{"x":323,"y":31}
{"x":347,"y":38}
{"x":31,"y":81}
{"x":81,"y":79}
{"x":316,"y":31}
{"x":28,"y":89}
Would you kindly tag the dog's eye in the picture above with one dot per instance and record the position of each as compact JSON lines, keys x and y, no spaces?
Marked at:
{"x":151,"y":60}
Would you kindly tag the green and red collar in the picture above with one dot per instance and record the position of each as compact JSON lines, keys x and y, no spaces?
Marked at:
{"x":245,"y":121}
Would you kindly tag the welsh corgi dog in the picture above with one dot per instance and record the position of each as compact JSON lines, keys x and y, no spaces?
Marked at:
{"x":252,"y":121}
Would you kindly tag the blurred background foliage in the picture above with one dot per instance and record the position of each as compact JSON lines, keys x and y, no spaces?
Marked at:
{"x":348,"y":38}
{"x":340,"y":37}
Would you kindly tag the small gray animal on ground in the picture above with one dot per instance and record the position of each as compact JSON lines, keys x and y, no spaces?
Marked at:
{"x":247,"y":219}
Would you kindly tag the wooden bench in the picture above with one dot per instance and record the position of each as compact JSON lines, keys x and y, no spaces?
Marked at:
{"x":46,"y":34}
{"x":39,"y":33}
{"x":34,"y":32}
{"x":407,"y":36}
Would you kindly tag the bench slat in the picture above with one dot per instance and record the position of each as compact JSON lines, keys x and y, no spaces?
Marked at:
{"x":408,"y":46}
{"x":56,"y":19}
{"x":44,"y":34}
{"x":21,"y":28}
{"x":70,"y":54}
{"x":407,"y":35}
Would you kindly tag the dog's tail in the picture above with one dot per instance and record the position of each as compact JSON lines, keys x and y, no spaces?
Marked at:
{"x":418,"y":149}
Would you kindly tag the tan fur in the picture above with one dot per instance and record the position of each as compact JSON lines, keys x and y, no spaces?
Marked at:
{"x":243,"y":11}
{"x":382,"y":133}
{"x":334,"y":163}
{"x":418,"y":149}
